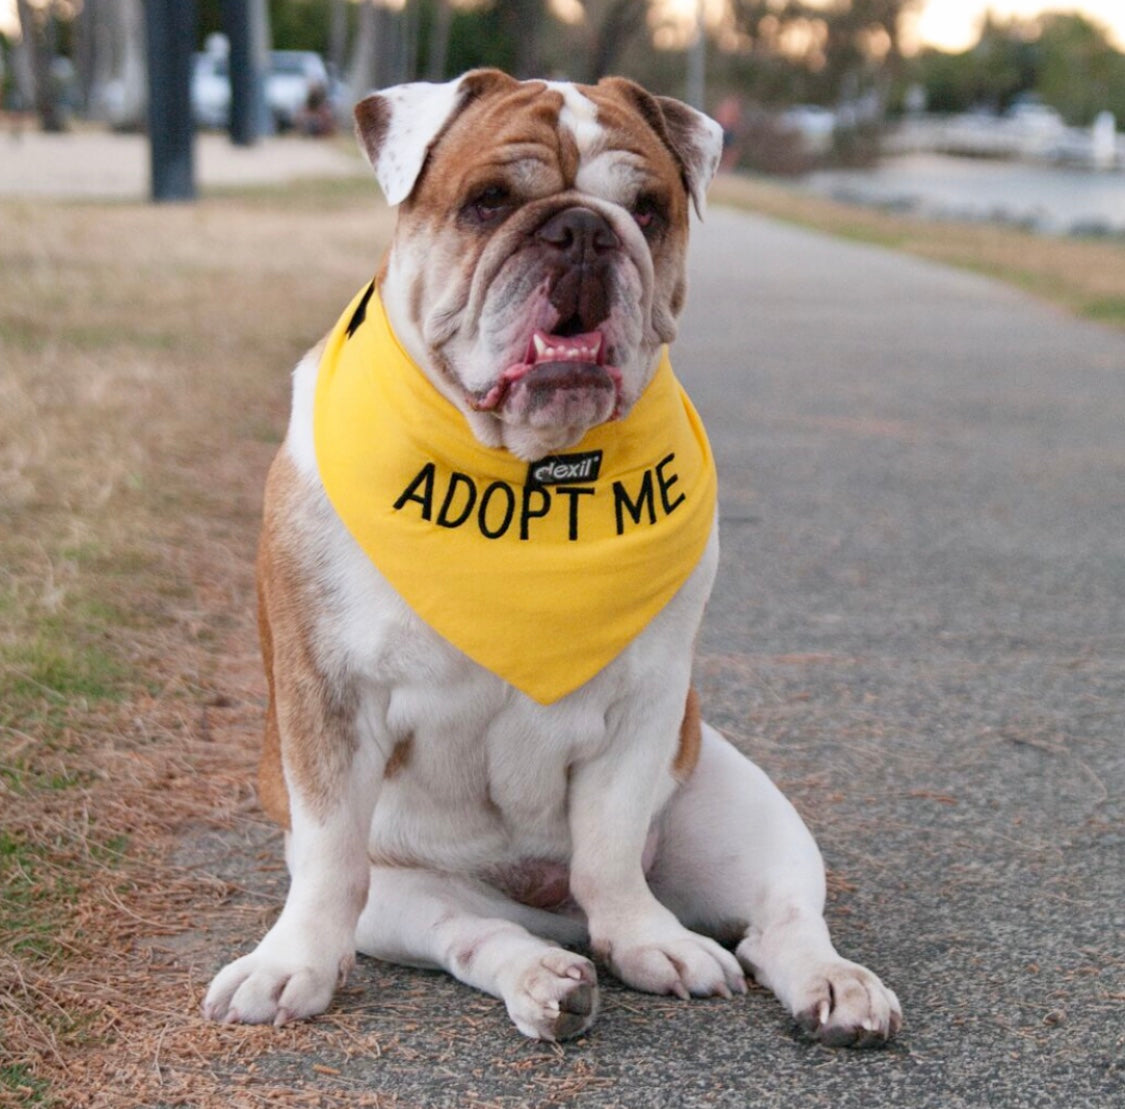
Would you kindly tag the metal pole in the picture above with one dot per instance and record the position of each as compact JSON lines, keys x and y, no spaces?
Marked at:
{"x":246,"y":23}
{"x":170,"y":37}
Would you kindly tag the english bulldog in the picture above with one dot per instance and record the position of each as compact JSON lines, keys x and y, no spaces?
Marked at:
{"x":488,"y":540}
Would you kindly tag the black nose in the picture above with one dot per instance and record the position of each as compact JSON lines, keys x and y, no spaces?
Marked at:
{"x":579,"y":235}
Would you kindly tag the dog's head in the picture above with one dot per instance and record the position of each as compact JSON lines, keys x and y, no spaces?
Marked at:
{"x":538,"y":261}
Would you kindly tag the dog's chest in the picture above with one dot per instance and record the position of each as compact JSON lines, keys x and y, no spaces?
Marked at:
{"x":479,"y":776}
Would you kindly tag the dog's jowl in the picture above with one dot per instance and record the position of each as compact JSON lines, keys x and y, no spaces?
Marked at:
{"x":489,"y":537}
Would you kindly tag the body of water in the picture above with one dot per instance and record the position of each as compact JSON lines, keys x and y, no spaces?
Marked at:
{"x":1044,"y":198}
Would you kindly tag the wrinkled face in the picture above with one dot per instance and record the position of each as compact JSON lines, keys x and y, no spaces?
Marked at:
{"x":538,"y":263}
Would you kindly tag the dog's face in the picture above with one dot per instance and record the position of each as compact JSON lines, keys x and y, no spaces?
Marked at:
{"x":538,"y":261}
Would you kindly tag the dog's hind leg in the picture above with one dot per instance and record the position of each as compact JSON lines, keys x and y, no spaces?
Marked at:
{"x":423,"y":918}
{"x":736,"y":861}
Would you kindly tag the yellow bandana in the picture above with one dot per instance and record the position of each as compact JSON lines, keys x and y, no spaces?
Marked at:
{"x":542,"y":572}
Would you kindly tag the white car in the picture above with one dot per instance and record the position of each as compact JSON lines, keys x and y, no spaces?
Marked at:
{"x":292,"y":76}
{"x":210,"y":90}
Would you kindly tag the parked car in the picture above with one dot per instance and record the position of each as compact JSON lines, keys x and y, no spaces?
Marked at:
{"x":293,"y":75}
{"x":210,"y":90}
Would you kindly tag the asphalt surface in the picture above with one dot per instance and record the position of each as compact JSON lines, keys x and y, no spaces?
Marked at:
{"x":919,"y":631}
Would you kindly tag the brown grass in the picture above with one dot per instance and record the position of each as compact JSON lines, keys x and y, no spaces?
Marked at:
{"x":144,"y":357}
{"x":1083,"y":276}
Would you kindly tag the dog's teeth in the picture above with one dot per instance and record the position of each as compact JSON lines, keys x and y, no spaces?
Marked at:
{"x":544,"y":350}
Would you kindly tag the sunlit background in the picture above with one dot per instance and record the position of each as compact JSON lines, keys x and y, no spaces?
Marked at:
{"x":951,"y":25}
{"x":955,"y":24}
{"x":800,"y":87}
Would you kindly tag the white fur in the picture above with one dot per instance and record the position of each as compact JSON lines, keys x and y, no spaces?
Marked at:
{"x":579,"y":116}
{"x":418,"y":112}
{"x":417,"y":865}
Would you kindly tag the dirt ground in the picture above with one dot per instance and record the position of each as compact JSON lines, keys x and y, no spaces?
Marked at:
{"x":91,"y":163}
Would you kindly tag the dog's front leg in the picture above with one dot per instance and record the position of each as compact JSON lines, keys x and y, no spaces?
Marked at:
{"x":295,"y":969}
{"x":613,"y":799}
{"x":326,"y":773}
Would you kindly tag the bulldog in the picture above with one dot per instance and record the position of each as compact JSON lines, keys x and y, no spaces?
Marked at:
{"x":488,"y":540}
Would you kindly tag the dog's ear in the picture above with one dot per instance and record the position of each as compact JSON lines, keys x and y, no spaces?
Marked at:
{"x":695,"y":139}
{"x":397,"y":126}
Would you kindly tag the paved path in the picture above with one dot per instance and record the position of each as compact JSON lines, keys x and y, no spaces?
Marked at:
{"x":919,"y":630}
{"x":920,"y":623}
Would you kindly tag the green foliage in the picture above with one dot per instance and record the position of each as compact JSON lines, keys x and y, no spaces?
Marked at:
{"x":1079,"y":73}
{"x":294,"y":24}
{"x":477,"y":38}
{"x":1065,"y":59}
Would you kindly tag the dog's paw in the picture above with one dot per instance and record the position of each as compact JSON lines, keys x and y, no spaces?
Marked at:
{"x":555,"y":997}
{"x":265,"y":987}
{"x":845,"y":1005}
{"x":684,"y":964}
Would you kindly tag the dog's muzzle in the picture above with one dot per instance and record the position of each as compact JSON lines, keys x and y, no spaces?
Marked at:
{"x":565,"y":371}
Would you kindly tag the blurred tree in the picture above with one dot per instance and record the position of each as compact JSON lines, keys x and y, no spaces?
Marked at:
{"x":439,"y":19}
{"x":1003,"y":62}
{"x":476,"y":38}
{"x":21,"y":75}
{"x":828,"y":52}
{"x":1079,"y":71}
{"x":39,"y":31}
{"x":320,"y":25}
{"x":1066,"y":59}
{"x":522,"y":23}
{"x":610,"y":26}
{"x":380,"y":48}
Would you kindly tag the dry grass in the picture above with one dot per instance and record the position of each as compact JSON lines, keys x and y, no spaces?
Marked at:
{"x":144,"y":358}
{"x":1083,"y":276}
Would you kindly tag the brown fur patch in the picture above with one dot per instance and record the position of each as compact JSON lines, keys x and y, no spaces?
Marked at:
{"x":399,"y":758}
{"x":272,"y":792}
{"x":309,"y":741}
{"x":691,"y":737}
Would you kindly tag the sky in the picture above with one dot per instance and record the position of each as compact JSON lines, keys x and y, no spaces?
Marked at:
{"x":953,"y":24}
{"x":949,"y":24}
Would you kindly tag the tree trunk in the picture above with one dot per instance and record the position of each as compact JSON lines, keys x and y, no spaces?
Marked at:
{"x":38,"y":30}
{"x":439,"y":40}
{"x":361,"y":69}
{"x":338,"y":37}
{"x":621,"y":22}
{"x":23,"y":72}
{"x":131,"y":69}
{"x":522,"y":21}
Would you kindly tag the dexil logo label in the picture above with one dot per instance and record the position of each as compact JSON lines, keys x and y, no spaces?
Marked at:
{"x":562,"y":469}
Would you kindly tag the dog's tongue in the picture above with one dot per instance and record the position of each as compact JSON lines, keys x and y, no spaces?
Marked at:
{"x":545,"y":350}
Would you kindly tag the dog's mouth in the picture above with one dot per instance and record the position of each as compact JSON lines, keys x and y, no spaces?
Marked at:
{"x":556,"y":366}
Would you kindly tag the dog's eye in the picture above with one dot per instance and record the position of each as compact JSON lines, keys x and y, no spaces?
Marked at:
{"x":489,"y":204}
{"x":648,"y":211}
